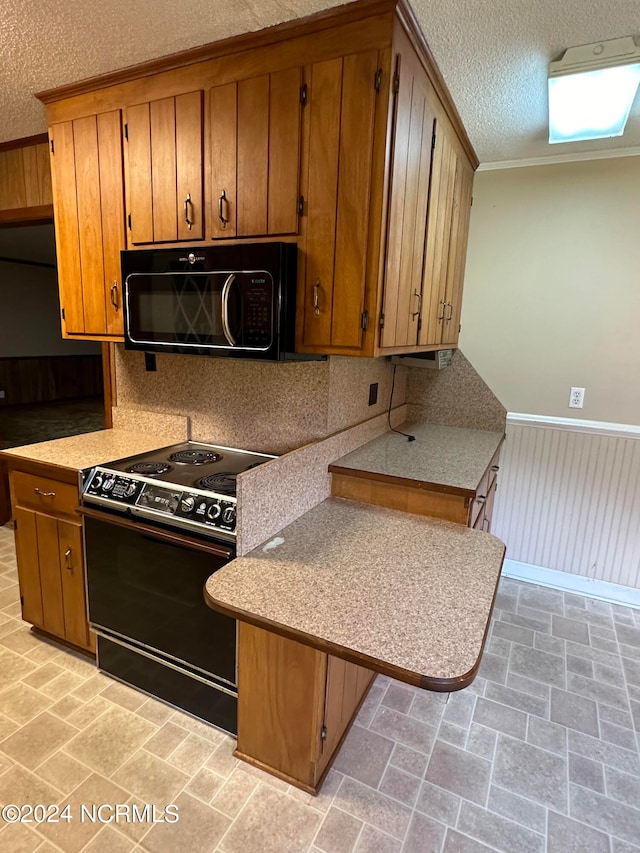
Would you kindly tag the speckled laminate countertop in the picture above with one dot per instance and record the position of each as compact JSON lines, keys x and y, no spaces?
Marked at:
{"x":90,"y":448}
{"x":406,"y":595}
{"x":442,"y":456}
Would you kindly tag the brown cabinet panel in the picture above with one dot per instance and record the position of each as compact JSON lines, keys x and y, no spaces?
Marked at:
{"x":342,"y":111}
{"x":50,"y":556}
{"x":44,"y":495}
{"x":12,"y":180}
{"x":279,"y":721}
{"x":50,"y":580}
{"x":253,"y":156}
{"x":162,"y":115}
{"x":44,"y":173}
{"x":354,"y":184}
{"x":189,"y":153}
{"x":85,"y":134}
{"x":164,"y":156}
{"x":112,"y":209}
{"x":410,"y":183}
{"x":284,"y":151}
{"x":325,"y":95}
{"x":458,"y":241}
{"x":223,"y":124}
{"x":72,"y":581}
{"x":28,"y":565}
{"x":140,"y":194}
{"x":87,"y":182}
{"x":63,"y":180}
{"x":32,"y":187}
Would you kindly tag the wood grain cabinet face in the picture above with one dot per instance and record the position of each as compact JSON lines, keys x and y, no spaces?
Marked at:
{"x":163,"y":151}
{"x":446,"y":245}
{"x":340,"y":118}
{"x":295,"y":705}
{"x":254,"y":156}
{"x":25,"y":177}
{"x":87,"y":183}
{"x":49,"y":549}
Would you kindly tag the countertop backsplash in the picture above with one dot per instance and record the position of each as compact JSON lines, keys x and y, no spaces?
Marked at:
{"x":271,"y":408}
{"x":456,"y":396}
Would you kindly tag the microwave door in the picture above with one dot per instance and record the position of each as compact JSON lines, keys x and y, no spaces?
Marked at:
{"x":179,"y":309}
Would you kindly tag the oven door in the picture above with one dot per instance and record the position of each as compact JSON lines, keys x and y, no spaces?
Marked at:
{"x":145,"y":586}
{"x":224,"y":312}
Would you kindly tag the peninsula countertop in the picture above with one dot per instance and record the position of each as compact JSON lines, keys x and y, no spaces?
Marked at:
{"x":76,"y":452}
{"x":450,"y":458}
{"x":405,"y":595}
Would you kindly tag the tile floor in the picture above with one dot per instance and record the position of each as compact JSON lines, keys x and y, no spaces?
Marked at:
{"x":539,"y":754}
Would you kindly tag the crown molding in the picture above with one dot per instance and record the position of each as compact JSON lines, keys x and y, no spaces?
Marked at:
{"x":576,"y":157}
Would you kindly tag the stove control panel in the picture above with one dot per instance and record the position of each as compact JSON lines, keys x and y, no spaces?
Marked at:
{"x":170,"y":504}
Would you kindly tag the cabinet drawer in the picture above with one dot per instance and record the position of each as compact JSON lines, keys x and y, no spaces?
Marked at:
{"x":485,"y":487}
{"x":43,"y":494}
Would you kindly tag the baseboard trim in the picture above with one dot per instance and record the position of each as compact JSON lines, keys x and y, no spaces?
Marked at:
{"x":568,"y":582}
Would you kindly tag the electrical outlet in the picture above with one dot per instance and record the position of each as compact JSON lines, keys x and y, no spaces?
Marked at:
{"x":373,"y":393}
{"x":576,"y":398}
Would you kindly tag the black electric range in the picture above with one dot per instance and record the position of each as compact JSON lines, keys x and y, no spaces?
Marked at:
{"x":190,"y":486}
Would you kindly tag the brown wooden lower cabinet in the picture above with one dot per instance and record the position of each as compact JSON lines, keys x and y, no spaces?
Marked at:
{"x":295,"y":705}
{"x":49,"y":551}
{"x":472,"y":508}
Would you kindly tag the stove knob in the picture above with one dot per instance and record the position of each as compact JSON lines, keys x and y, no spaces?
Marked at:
{"x":214,"y":511}
{"x":108,"y":484}
{"x":229,"y":515}
{"x":97,"y":481}
{"x":188,"y":503}
{"x":131,"y":490}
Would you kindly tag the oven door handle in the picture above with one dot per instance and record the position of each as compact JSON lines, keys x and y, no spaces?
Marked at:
{"x":156,"y":533}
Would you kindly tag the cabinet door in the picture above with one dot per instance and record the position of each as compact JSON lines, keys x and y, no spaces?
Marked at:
{"x":254,"y":147}
{"x":28,"y":565}
{"x":87,"y":184}
{"x":458,"y":241}
{"x":341,"y":104}
{"x":164,"y":169}
{"x":446,"y":249}
{"x":413,"y":134}
{"x":72,"y":580}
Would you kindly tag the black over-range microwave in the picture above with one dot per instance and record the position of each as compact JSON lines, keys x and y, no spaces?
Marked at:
{"x":219,"y":300}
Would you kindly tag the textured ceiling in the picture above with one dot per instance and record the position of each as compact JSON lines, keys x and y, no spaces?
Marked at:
{"x":492,"y":53}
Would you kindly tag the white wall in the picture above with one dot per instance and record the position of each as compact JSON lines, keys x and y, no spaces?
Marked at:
{"x":551,"y":300}
{"x":552,"y":289}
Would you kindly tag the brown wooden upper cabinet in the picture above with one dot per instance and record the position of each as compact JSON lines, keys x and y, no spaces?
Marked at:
{"x":25,"y":181}
{"x":337,"y":183}
{"x":446,"y":246}
{"x":336,"y":131}
{"x":163,"y":155}
{"x":87,"y":180}
{"x":254,"y":155}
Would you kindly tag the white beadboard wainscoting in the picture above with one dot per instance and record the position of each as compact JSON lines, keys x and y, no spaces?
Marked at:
{"x":568,"y":505}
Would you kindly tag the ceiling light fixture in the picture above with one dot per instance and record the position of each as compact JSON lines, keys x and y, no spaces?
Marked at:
{"x":591,"y":90}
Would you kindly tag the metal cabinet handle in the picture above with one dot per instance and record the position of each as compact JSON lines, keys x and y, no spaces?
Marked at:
{"x":316,"y":301}
{"x":450,"y":312}
{"x":418,"y":312}
{"x":187,"y":202}
{"x":480,"y":499}
{"x":226,"y":328}
{"x":114,"y":295}
{"x":67,"y":559}
{"x":495,"y":467}
{"x":221,"y":216}
{"x":444,"y":308}
{"x":45,"y":494}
